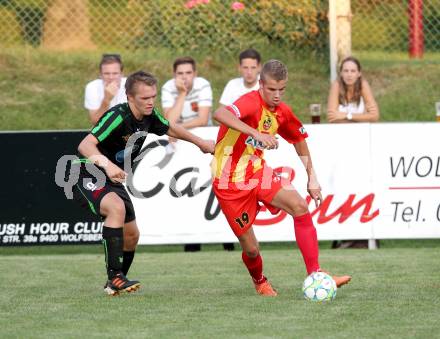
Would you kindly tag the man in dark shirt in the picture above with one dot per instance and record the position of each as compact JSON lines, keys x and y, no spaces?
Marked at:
{"x":105,"y":154}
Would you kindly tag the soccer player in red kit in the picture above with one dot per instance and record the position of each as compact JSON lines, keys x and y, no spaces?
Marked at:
{"x":242,"y":179}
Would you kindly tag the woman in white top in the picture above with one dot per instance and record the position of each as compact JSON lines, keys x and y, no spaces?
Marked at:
{"x":350,"y":98}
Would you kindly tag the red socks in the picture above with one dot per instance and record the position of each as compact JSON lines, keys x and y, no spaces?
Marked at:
{"x":307,"y":240}
{"x":255,"y":267}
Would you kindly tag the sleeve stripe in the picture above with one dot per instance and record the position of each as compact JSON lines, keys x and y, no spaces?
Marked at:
{"x":161,"y":117}
{"x":109,"y":129}
{"x":106,"y":117}
{"x":236,"y":110}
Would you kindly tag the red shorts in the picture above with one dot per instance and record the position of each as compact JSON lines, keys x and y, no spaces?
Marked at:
{"x":239,"y":201}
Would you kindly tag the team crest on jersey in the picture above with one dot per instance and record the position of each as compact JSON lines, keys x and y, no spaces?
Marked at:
{"x":195,"y":106}
{"x":267,"y":123}
{"x":126,"y":137}
{"x":302,"y":130}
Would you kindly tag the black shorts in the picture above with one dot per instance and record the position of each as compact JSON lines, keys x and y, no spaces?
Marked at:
{"x":89,"y":194}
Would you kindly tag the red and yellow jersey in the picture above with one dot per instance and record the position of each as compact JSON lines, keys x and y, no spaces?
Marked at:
{"x":238,"y":156}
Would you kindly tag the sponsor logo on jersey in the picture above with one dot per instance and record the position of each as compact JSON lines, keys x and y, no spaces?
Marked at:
{"x":254,"y":143}
{"x":90,"y":186}
{"x":302,"y":130}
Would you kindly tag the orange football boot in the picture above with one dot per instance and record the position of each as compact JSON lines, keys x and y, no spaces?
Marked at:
{"x":341,"y":280}
{"x":265,"y":289}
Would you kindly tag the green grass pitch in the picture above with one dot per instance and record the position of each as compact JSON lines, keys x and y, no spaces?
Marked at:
{"x":395,"y":293}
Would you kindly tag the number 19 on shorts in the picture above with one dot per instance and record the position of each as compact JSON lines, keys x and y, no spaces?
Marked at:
{"x":243,"y":220}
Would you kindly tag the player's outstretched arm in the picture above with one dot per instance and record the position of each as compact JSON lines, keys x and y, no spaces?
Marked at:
{"x":225,"y":117}
{"x":313,"y":186}
{"x":179,"y":132}
{"x":88,"y":148}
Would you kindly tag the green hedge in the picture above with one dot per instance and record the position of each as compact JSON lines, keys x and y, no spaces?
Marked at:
{"x":213,"y":26}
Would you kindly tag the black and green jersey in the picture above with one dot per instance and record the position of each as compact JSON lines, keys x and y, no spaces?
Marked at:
{"x":118,"y":124}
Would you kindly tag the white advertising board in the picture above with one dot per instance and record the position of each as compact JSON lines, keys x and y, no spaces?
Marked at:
{"x":378,"y":181}
{"x":406,"y":174}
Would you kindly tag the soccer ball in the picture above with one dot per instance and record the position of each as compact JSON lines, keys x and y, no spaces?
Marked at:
{"x":319,"y":287}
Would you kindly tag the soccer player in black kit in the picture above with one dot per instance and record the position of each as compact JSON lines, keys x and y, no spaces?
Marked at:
{"x":101,"y":172}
